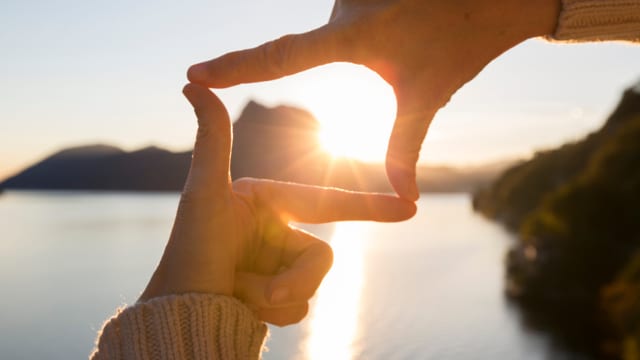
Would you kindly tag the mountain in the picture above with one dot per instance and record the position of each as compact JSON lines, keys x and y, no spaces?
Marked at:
{"x":101,"y":167}
{"x":282,"y":143}
{"x":277,"y":143}
{"x":576,"y":265}
{"x":518,"y":192}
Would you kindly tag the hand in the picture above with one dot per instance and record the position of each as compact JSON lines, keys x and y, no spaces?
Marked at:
{"x":234,"y":239}
{"x":425,"y":49}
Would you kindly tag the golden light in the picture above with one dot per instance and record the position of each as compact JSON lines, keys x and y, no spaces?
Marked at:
{"x":356,"y":109}
{"x":334,"y":318}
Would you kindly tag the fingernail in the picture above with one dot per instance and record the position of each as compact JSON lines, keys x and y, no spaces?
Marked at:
{"x":279,"y":296}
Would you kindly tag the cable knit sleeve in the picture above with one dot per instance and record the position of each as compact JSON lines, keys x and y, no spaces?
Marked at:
{"x":191,"y":326}
{"x":598,"y":20}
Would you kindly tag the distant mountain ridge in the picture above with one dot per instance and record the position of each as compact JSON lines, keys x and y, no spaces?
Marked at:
{"x":278,"y":143}
{"x":100,"y":167}
{"x":89,"y":150}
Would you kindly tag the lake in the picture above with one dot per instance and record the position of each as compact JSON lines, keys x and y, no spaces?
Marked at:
{"x":427,"y":288}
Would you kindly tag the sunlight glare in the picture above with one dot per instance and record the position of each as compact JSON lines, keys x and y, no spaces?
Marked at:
{"x":334,"y":319}
{"x":356,"y":109}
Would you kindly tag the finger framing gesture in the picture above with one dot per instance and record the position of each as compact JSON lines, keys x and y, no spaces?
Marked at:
{"x":235,"y":239}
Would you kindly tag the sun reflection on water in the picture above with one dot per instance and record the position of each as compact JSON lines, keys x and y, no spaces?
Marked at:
{"x":334,"y":319}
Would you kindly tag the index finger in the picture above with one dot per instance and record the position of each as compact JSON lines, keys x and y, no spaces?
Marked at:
{"x":287,"y":55}
{"x":314,"y":204}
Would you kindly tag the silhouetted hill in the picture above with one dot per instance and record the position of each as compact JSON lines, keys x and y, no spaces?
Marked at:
{"x":87,"y":151}
{"x":277,"y":143}
{"x":519,"y":191}
{"x":99,"y":167}
{"x":577,"y":212}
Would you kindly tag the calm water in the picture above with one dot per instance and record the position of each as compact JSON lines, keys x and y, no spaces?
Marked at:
{"x":429,"y":288}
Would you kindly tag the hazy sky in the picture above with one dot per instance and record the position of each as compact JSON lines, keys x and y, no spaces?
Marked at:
{"x":76,"y":72}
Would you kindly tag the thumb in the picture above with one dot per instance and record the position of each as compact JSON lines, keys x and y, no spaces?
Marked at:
{"x":212,"y":150}
{"x":287,"y":55}
{"x":250,"y":288}
{"x":409,"y":130}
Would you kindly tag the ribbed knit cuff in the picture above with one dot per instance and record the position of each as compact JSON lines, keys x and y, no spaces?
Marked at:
{"x":191,"y":326}
{"x":598,"y":20}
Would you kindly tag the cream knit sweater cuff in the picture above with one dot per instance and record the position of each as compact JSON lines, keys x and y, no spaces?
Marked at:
{"x":190,"y":326}
{"x":599,"y":20}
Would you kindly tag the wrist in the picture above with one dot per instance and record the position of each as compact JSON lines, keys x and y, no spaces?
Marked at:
{"x":166,"y":282}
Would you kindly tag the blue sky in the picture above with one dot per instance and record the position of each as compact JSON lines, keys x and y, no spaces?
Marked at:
{"x":76,"y":72}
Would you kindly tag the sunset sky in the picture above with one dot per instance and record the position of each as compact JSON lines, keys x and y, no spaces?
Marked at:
{"x":78,"y":72}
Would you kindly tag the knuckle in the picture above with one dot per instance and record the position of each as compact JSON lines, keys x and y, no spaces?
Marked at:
{"x":188,"y":194}
{"x":277,"y":54}
{"x":354,"y":35}
{"x":203,"y":133}
{"x":350,"y":37}
{"x":264,"y":194}
{"x":192,"y":193}
{"x":244,"y":184}
{"x":196,"y":200}
{"x":200,"y":112}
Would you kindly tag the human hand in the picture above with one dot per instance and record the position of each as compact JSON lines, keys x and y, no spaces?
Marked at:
{"x":425,"y":49}
{"x":234,"y":238}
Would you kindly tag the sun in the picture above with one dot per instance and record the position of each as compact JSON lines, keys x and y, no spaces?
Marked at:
{"x":356,"y":109}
